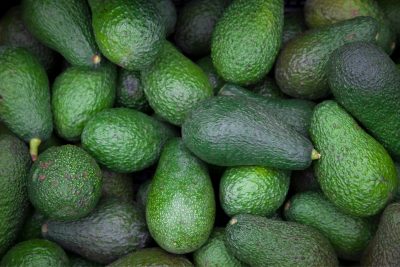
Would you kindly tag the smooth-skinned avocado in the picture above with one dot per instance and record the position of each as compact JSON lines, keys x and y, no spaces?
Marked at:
{"x":124,"y":140}
{"x":180,"y":210}
{"x":235,"y":131}
{"x":63,"y":25}
{"x":366,"y":82}
{"x":258,"y":241}
{"x":65,"y":183}
{"x":25,"y":97}
{"x":300,"y":67}
{"x":14,"y":168}
{"x":246,"y":40}
{"x":112,"y":230}
{"x":130,"y":92}
{"x":354,"y":171}
{"x":174,"y":84}
{"x":130,"y":33}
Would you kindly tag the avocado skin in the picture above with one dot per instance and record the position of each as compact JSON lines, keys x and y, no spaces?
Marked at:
{"x":24,"y":94}
{"x":112,"y":230}
{"x":63,"y":26}
{"x":293,"y":25}
{"x":32,"y":228}
{"x":207,"y":66}
{"x":348,"y":235}
{"x":215,"y":253}
{"x":180,"y":209}
{"x":267,"y":87}
{"x":355,"y":172}
{"x":130,"y":92}
{"x":167,"y":11}
{"x":14,"y":168}
{"x":195,"y":25}
{"x":130,"y":33}
{"x":35,"y":252}
{"x":143,"y":193}
{"x":300,"y":67}
{"x":259,"y":241}
{"x":246,"y":40}
{"x":124,"y":140}
{"x":117,"y":185}
{"x":78,"y":94}
{"x":234,"y":131}
{"x":151,"y":257}
{"x":384,"y":250}
{"x":13,"y":32}
{"x":65,"y":183}
{"x":392,"y":10}
{"x":174,"y":84}
{"x":366,"y":82}
{"x":77,"y":261}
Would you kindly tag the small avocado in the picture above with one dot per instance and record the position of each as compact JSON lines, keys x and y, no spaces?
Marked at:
{"x":130,"y":92}
{"x":32,"y":228}
{"x":118,"y":185}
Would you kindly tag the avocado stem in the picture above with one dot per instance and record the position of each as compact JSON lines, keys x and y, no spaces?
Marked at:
{"x":315,"y":154}
{"x":96,"y":59}
{"x":34,"y":144}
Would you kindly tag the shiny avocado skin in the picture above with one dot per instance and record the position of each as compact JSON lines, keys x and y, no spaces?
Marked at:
{"x":370,"y":94}
{"x":14,"y":168}
{"x":63,"y":26}
{"x":354,"y":171}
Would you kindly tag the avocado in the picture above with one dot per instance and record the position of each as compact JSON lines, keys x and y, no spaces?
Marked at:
{"x":143,"y":193}
{"x":246,"y":40}
{"x":259,"y":241}
{"x":383,"y":250}
{"x":180,"y":208}
{"x":305,"y":180}
{"x":253,"y":190}
{"x":166,"y":9}
{"x":293,"y":25}
{"x":250,"y":135}
{"x":294,"y":112}
{"x":207,"y":66}
{"x":117,"y":185}
{"x":267,"y":87}
{"x":32,"y":228}
{"x":300,"y":68}
{"x":397,"y":194}
{"x":320,"y":13}
{"x":130,"y":92}
{"x":63,"y":26}
{"x":174,"y":84}
{"x":348,"y":235}
{"x":124,"y":140}
{"x":78,"y":94}
{"x":370,"y":94}
{"x":151,"y":257}
{"x":77,"y":261}
{"x":13,"y":32}
{"x":391,"y":8}
{"x":195,"y":25}
{"x":112,"y":230}
{"x":214,"y":252}
{"x":35,"y":252}
{"x":65,"y":183}
{"x":25,"y":97}
{"x":354,"y":171}
{"x":14,"y":168}
{"x":130,"y":33}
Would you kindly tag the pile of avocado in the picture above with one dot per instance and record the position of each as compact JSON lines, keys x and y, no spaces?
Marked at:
{"x":205,"y":133}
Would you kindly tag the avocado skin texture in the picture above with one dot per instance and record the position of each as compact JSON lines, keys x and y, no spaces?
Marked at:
{"x":174,"y":84}
{"x":13,"y":32}
{"x":348,"y":235}
{"x":151,"y":257}
{"x":253,"y":190}
{"x":392,"y":10}
{"x":117,"y":185}
{"x":24,"y":94}
{"x":68,"y":31}
{"x":259,"y":241}
{"x":214,"y":252}
{"x":78,"y":94}
{"x":77,"y":261}
{"x":355,"y":172}
{"x":14,"y":168}
{"x":180,"y":209}
{"x":207,"y":66}
{"x":65,"y":183}
{"x":167,"y":11}
{"x":35,"y":252}
{"x":267,"y":87}
{"x":124,"y":140}
{"x":196,"y":22}
{"x":300,"y":68}
{"x":143,"y":193}
{"x":32,"y":228}
{"x":384,"y":249}
{"x":293,"y":25}
{"x":237,"y":55}
{"x":130,"y":93}
{"x":294,"y":112}
{"x":235,"y":131}
{"x":129,"y":33}
{"x":112,"y":230}
{"x":366,"y":82}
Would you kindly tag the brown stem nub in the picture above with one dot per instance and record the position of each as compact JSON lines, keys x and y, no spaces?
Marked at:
{"x":34,"y":144}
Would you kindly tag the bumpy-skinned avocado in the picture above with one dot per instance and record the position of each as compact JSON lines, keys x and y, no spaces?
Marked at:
{"x":130,"y":92}
{"x":118,"y":185}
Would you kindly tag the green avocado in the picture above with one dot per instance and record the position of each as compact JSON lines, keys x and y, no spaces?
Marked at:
{"x":207,"y":66}
{"x":118,"y":185}
{"x":267,"y":87}
{"x":32,"y":228}
{"x":166,"y":9}
{"x":293,"y":25}
{"x":391,"y":8}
